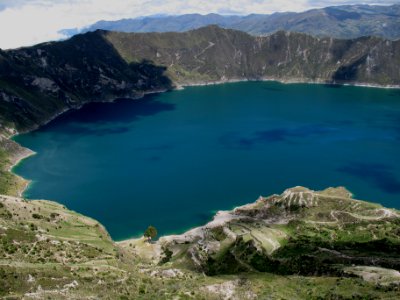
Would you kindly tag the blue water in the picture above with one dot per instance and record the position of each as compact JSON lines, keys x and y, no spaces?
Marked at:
{"x":173,"y":159}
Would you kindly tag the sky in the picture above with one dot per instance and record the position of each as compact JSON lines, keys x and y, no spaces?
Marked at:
{"x":28,"y":22}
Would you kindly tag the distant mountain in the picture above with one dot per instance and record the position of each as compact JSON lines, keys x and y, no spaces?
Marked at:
{"x":349,"y":21}
{"x":39,"y":82}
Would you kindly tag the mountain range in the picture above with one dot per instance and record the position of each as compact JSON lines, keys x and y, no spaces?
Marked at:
{"x":345,"y":22}
{"x":40,"y":82}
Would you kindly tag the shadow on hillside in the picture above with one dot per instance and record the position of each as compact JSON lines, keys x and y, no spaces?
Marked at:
{"x":348,"y":72}
{"x":154,"y":75}
{"x":85,"y":68}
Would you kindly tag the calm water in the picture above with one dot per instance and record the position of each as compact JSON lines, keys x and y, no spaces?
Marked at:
{"x":172,"y":159}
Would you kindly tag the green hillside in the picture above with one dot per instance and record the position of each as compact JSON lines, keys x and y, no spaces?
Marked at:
{"x":298,"y":245}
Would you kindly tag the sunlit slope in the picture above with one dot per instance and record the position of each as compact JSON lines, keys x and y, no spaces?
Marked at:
{"x":300,"y":244}
{"x":298,"y":232}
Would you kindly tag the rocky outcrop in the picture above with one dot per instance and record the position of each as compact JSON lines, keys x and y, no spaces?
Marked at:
{"x":298,"y":232}
{"x":40,"y":82}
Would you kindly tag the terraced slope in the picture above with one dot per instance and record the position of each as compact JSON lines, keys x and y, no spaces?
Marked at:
{"x":47,"y":251}
{"x":297,"y":232}
{"x":298,"y":245}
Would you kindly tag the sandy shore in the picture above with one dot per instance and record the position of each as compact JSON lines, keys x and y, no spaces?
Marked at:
{"x":221,"y":218}
{"x":16,"y":159}
{"x":19,"y":157}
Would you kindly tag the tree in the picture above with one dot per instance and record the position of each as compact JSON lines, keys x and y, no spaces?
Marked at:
{"x":150,"y":233}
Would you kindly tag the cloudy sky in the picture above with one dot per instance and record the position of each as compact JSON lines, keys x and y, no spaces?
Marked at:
{"x":28,"y":22}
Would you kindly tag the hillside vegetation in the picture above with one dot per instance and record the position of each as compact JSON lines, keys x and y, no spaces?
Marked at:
{"x":298,"y":232}
{"x":298,"y":245}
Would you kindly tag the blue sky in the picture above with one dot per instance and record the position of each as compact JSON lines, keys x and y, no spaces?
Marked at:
{"x":27,"y":22}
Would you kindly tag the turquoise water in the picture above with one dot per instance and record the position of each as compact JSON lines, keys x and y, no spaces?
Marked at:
{"x":173,"y":159}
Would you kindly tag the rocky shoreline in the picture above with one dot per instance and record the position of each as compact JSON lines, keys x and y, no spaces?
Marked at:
{"x":266,"y":226}
{"x":286,"y":81}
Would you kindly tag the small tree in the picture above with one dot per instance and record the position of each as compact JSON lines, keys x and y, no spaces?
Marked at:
{"x":150,"y":233}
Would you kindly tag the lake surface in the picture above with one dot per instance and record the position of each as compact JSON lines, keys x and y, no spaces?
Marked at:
{"x":173,"y":159}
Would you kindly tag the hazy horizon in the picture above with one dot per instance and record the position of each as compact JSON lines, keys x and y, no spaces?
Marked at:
{"x":29,"y":22}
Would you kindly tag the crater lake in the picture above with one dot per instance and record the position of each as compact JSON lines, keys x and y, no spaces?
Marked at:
{"x":173,"y":159}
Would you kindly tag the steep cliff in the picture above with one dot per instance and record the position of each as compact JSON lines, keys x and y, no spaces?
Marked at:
{"x":40,"y":82}
{"x":215,"y":54}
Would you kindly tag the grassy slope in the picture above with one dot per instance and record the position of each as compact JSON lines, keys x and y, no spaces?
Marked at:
{"x":8,"y":182}
{"x":10,"y":152}
{"x":49,"y":251}
{"x":301,"y":233}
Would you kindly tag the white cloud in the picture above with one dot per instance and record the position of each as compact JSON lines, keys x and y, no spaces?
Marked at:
{"x":27,"y":22}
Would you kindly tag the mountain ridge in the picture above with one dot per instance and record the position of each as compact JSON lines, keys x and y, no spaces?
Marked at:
{"x":39,"y":82}
{"x":345,"y":21}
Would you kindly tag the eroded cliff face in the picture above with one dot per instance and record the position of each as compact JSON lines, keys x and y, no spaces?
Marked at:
{"x":215,"y":54}
{"x":40,"y":82}
{"x":298,"y":232}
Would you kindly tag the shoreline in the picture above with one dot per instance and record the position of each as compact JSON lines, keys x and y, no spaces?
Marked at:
{"x":26,"y":182}
{"x":16,"y":160}
{"x":77,"y":107}
{"x":26,"y":153}
{"x":181,"y":86}
{"x":219,"y":218}
{"x":286,"y":81}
